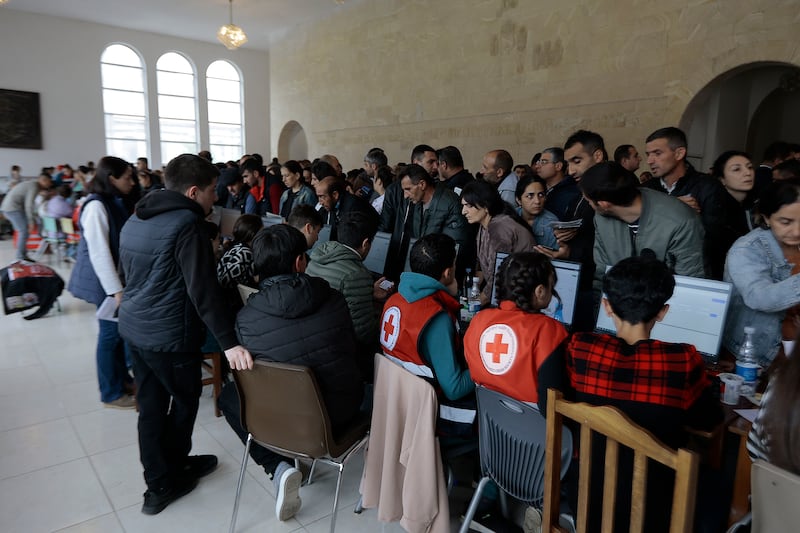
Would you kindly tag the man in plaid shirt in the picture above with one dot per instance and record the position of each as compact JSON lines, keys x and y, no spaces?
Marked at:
{"x":661,"y":386}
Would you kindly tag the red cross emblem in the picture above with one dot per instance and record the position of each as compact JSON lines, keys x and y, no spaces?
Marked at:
{"x":497,"y":348}
{"x":388,"y":328}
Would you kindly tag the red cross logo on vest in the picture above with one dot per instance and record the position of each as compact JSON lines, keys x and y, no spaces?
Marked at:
{"x":498,"y":348}
{"x":390,"y":327}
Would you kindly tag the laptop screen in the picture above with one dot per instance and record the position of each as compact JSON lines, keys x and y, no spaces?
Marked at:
{"x":228,"y":219}
{"x":376,"y":259}
{"x":567,"y":274}
{"x":696,"y":315}
{"x":271,"y":219}
{"x":324,"y":235}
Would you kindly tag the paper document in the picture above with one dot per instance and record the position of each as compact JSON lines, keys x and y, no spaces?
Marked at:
{"x":108,"y":310}
{"x":572,"y":224}
{"x":747,"y":414}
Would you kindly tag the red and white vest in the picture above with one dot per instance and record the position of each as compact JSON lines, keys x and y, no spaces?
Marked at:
{"x":506,"y":346}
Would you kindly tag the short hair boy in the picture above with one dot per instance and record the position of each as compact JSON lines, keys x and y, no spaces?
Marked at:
{"x":661,"y":386}
{"x":418,"y":326}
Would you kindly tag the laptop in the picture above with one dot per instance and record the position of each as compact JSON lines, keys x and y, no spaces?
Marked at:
{"x":323,"y":236}
{"x":271,"y":219}
{"x":567,"y":275}
{"x":697,"y":312}
{"x":226,"y":222}
{"x":376,"y":259}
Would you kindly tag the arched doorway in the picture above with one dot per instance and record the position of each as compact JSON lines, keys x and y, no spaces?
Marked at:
{"x":744,"y":108}
{"x":292,"y":143}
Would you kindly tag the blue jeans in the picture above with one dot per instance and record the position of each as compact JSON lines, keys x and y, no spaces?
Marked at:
{"x":20,"y":223}
{"x":112,"y":372}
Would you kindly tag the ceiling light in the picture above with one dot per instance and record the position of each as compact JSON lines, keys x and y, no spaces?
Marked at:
{"x":231,"y":35}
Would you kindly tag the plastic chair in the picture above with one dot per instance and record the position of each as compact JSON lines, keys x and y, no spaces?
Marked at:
{"x":618,"y":429}
{"x":775,"y":495}
{"x":512,"y":450}
{"x":282,"y":410}
{"x":51,"y":238}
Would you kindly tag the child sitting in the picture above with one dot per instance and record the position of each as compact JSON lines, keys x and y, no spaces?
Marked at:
{"x":236,"y":264}
{"x":661,"y":386}
{"x":510,"y":349}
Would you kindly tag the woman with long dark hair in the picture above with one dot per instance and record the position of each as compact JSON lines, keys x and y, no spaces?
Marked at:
{"x":775,"y":435}
{"x":498,"y":230}
{"x":95,"y":277}
{"x":764,"y":268}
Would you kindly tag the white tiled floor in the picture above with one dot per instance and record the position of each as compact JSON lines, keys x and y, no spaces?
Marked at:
{"x":69,"y":464}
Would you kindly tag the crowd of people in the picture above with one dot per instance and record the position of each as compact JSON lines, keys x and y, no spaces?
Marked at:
{"x":147,"y":246}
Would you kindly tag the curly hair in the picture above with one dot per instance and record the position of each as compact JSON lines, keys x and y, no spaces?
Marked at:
{"x":520,"y":274}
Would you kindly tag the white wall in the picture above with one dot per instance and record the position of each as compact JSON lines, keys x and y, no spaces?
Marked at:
{"x":60,"y":59}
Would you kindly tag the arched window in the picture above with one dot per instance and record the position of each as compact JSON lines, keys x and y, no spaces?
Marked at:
{"x":225,"y":131}
{"x":124,"y":102}
{"x":177,"y":106}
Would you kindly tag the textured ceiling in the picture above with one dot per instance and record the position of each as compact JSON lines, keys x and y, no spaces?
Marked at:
{"x":264,"y":21}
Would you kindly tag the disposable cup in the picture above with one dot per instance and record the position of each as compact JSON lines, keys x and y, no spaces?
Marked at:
{"x":731,"y":385}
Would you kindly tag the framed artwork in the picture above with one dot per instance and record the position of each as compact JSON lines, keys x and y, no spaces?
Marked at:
{"x":20,"y":120}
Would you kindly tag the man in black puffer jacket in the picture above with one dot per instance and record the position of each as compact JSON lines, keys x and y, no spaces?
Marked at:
{"x":171,"y":290}
{"x":300,"y":320}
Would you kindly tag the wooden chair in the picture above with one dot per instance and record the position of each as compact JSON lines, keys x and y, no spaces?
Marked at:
{"x":212,"y":363}
{"x":618,"y":429}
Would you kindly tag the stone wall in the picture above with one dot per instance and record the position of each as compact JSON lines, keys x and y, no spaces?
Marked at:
{"x":518,"y":74}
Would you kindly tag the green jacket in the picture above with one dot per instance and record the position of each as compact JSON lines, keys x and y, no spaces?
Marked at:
{"x":344,"y":271}
{"x":667,"y":226}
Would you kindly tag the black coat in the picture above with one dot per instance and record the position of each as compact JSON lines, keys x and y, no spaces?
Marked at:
{"x":298,"y":319}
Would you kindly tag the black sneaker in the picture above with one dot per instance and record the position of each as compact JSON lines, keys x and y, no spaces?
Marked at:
{"x":156,"y":501}
{"x":197,"y":466}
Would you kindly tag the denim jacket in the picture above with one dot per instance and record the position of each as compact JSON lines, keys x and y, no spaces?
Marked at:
{"x":763,"y":289}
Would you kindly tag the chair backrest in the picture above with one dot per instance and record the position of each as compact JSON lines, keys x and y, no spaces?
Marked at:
{"x":49,"y":227}
{"x":512,"y":445}
{"x":776,"y":493}
{"x":618,"y":429}
{"x":281,"y":406}
{"x":245,"y":292}
{"x":67,"y":226}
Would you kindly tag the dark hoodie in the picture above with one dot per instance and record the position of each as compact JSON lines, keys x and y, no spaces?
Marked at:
{"x":299,"y":320}
{"x":168,"y":264}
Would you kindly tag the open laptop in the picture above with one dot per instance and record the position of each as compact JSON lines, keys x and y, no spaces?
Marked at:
{"x":567,"y":275}
{"x":697,"y":312}
{"x":271,"y":219}
{"x":226,"y":222}
{"x":376,"y":259}
{"x":323,"y":236}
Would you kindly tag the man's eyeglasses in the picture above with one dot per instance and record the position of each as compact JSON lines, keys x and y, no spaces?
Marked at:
{"x":542,"y":162}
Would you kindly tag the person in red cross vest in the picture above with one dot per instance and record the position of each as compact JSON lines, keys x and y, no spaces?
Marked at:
{"x":514,"y":348}
{"x":419,"y":327}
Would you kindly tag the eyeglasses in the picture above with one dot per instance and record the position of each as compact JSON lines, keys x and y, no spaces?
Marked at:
{"x":542,"y":162}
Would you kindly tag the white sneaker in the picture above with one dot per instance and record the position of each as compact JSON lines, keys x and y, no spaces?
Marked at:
{"x":533,"y":521}
{"x":288,"y":500}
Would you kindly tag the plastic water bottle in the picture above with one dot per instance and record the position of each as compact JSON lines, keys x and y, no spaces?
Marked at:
{"x":474,"y":298}
{"x":747,"y":363}
{"x":467,"y":281}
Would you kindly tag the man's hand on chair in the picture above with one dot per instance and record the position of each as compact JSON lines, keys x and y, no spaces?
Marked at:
{"x":239,"y":358}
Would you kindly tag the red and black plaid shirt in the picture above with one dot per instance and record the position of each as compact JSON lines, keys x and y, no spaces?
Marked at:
{"x":651,"y":371}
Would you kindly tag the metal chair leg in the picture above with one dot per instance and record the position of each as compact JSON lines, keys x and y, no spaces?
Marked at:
{"x":473,"y":505}
{"x":311,"y":472}
{"x":336,"y":496}
{"x":239,"y":485}
{"x":359,"y":505}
